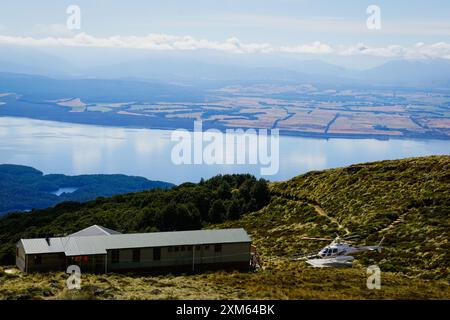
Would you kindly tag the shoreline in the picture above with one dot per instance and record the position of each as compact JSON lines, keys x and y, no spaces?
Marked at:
{"x":283,"y":132}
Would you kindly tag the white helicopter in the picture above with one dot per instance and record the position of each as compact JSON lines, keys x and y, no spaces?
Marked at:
{"x":337,"y":253}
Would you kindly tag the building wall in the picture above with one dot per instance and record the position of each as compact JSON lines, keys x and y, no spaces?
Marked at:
{"x":232,"y":255}
{"x":20,"y":257}
{"x":237,"y":254}
{"x":59,"y":262}
{"x":48,"y":262}
{"x":88,"y":263}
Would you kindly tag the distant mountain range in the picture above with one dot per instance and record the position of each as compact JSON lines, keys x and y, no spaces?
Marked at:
{"x":210,"y":69}
{"x":24,"y":188}
{"x":37,"y":87}
{"x":416,"y":73}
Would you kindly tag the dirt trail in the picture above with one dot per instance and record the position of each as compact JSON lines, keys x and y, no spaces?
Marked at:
{"x":392,"y":225}
{"x":317,"y":208}
{"x":322,"y":212}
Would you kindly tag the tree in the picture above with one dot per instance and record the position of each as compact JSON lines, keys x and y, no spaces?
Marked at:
{"x":234,"y":210}
{"x":217,"y":211}
{"x":224,"y":191}
{"x":260,"y":192}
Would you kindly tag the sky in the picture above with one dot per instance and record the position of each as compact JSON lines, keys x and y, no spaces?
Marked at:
{"x":408,"y":29}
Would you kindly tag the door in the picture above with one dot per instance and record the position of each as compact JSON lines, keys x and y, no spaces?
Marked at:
{"x":156,"y":254}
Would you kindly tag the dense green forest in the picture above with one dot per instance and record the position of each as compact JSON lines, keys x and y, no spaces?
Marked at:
{"x":25,"y":188}
{"x":189,"y":206}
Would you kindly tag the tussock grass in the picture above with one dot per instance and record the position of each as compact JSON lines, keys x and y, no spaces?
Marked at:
{"x":279,"y":280}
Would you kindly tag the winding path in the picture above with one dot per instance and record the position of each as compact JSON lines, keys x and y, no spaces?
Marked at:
{"x":394,"y":223}
{"x":319,"y":210}
{"x":322,"y":212}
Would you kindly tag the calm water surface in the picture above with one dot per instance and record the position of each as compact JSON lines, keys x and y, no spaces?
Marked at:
{"x":72,"y":149}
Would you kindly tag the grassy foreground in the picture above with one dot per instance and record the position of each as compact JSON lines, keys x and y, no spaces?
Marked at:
{"x":279,"y":280}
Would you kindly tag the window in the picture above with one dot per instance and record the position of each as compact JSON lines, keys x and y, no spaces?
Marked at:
{"x":217,"y":248}
{"x":37,"y":260}
{"x":197,"y":248}
{"x":115,"y":256}
{"x":189,"y":248}
{"x":136,"y":255}
{"x":206,"y":247}
{"x":183,"y":248}
{"x":17,"y":251}
{"x":177,"y":249}
{"x":170,"y":249}
{"x":156,"y":254}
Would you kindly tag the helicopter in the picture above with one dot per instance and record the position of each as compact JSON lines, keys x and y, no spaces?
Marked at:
{"x":337,"y":253}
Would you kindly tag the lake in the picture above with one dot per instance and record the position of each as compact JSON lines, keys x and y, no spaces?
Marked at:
{"x":72,"y":149}
{"x":61,"y":191}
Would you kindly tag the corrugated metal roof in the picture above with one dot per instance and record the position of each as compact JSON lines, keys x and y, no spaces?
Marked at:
{"x":89,"y":245}
{"x":33,"y":246}
{"x":94,"y":230}
{"x":79,"y":246}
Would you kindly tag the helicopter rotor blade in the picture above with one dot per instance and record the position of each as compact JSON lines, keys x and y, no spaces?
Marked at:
{"x":318,"y":239}
{"x":354,"y":236}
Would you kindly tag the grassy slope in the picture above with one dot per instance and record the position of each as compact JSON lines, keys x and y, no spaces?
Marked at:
{"x":407,"y":201}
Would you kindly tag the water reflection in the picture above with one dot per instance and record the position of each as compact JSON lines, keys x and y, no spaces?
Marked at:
{"x":55,"y":147}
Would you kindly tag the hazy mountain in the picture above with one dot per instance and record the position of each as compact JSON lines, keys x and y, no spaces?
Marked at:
{"x":318,"y":67}
{"x":432,"y":72}
{"x":46,"y":88}
{"x":207,"y":68}
{"x":18,"y":59}
{"x":187,"y":70}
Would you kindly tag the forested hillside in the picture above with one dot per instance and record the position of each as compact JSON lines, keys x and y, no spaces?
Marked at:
{"x":186,"y":207}
{"x":25,"y":188}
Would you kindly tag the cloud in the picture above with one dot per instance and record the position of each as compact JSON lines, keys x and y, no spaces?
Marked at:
{"x":313,"y":48}
{"x":233,"y":45}
{"x":150,"y":42}
{"x":418,"y":51}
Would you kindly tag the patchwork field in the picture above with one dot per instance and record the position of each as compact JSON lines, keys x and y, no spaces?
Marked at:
{"x":294,"y":110}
